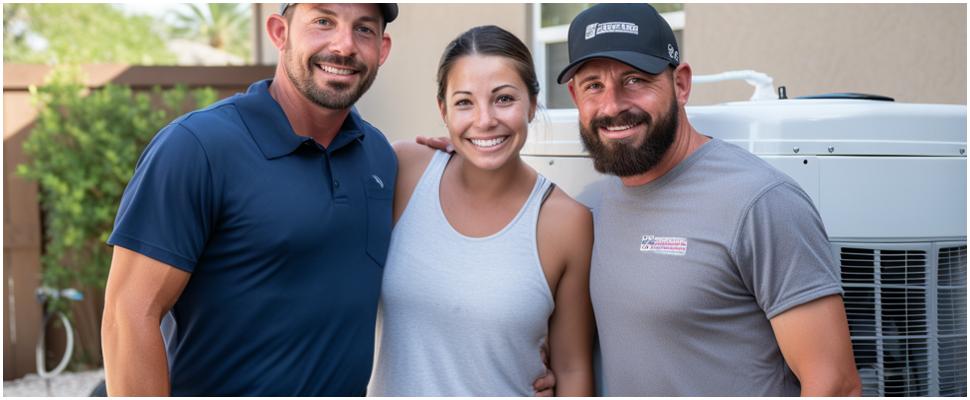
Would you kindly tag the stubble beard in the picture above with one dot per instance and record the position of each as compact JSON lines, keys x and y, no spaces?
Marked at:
{"x":335,"y":95}
{"x":626,"y":159}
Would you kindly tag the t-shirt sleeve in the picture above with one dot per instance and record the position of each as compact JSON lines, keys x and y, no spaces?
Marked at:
{"x":783,"y":252}
{"x":167,"y":208}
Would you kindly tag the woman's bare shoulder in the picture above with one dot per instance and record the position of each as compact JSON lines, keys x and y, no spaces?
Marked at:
{"x":567,"y":219}
{"x":411,"y":154}
{"x":564,"y":207}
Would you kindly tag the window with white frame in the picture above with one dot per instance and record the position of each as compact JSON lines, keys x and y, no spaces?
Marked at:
{"x":550,"y":25}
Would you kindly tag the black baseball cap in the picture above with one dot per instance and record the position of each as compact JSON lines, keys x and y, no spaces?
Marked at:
{"x":634,"y":34}
{"x":389,"y":10}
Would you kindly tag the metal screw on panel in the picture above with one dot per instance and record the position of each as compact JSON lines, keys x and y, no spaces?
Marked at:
{"x":962,"y":151}
{"x":831,"y":149}
{"x":795,"y":149}
{"x":552,"y":162}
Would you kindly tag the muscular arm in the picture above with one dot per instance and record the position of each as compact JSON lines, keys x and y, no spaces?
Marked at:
{"x":571,"y":325}
{"x":140,"y":290}
{"x":814,"y":339}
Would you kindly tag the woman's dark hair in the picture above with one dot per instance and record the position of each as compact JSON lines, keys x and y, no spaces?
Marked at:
{"x":489,"y":40}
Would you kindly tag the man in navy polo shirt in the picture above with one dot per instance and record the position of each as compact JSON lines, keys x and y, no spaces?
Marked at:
{"x":262,"y":224}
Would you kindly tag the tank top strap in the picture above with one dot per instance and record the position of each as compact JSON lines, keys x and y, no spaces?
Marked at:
{"x":540,"y":191}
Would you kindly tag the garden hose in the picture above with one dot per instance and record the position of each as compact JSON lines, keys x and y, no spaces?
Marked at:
{"x":42,"y":347}
{"x":43,"y":294}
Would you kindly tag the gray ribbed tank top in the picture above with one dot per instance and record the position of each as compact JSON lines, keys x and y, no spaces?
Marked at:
{"x":461,"y":316}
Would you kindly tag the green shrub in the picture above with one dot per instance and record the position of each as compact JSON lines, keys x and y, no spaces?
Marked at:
{"x":83,"y":151}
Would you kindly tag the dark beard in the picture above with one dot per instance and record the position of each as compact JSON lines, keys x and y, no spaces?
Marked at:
{"x":335,"y":96}
{"x":624,"y":159}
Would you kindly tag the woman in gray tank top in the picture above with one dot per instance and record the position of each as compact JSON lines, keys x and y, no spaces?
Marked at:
{"x":488,"y":260}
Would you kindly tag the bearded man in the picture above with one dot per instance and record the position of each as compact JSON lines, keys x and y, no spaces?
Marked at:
{"x":260,"y":225}
{"x":711,"y":273}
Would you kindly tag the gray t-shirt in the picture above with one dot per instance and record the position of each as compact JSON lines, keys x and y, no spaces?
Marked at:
{"x":688,"y":270}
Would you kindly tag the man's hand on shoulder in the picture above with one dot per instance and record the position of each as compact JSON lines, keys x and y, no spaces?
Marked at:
{"x":437,"y":143}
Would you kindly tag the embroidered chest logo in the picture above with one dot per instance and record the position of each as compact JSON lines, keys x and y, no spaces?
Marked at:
{"x":378,"y":180}
{"x":670,"y":246}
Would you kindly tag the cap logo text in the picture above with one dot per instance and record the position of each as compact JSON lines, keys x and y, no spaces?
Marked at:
{"x":594,"y":29}
{"x":674,"y":54}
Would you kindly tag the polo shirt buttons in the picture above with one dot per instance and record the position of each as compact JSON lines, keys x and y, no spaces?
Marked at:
{"x":336,"y":183}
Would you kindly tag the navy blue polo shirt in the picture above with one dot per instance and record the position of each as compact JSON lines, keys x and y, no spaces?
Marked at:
{"x":285,"y":240}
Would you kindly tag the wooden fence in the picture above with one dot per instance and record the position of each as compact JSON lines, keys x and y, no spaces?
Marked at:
{"x":22,"y":230}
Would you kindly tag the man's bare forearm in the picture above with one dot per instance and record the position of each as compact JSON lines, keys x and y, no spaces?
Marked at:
{"x":135,"y":363}
{"x":139,"y":291}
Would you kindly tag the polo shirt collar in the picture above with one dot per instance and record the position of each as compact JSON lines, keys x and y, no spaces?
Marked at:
{"x":352,"y":130}
{"x":269,"y":127}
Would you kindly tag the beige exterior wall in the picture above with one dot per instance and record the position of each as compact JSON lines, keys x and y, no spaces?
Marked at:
{"x":911,"y":52}
{"x":263,"y":50}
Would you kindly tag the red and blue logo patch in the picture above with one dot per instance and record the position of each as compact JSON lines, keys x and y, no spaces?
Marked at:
{"x":671,"y":246}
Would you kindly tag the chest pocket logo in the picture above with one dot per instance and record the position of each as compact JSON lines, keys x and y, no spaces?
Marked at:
{"x":379,"y":199}
{"x":666,"y":245}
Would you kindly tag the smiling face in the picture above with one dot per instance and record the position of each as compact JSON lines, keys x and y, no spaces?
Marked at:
{"x":333,"y":51}
{"x":487,"y":110}
{"x":628,"y":118}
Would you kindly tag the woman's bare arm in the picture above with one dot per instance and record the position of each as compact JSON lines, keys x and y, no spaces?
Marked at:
{"x":568,"y":228}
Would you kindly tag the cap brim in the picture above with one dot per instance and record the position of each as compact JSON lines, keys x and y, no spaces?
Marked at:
{"x":640,"y":61}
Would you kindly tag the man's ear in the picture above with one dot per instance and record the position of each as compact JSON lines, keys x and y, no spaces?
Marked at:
{"x":277,"y":27}
{"x":385,"y":48}
{"x":682,"y":83}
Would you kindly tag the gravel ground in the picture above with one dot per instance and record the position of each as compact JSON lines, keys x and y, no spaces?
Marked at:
{"x":73,"y":384}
